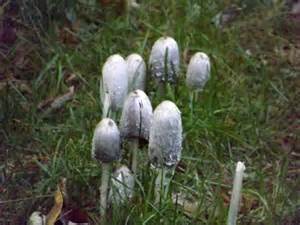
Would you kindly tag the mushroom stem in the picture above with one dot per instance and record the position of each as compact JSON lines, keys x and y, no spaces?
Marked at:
{"x":162,"y":184}
{"x":104,"y":189}
{"x":106,"y":106}
{"x":134,"y":145}
{"x":236,"y":192}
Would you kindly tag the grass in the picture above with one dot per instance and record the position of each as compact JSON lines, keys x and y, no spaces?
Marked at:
{"x":235,"y":119}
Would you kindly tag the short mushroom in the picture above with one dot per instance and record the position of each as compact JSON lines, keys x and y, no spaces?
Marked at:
{"x":198,"y":71}
{"x":165,"y":143}
{"x":114,"y":84}
{"x":122,"y":185}
{"x":135,"y":121}
{"x":136,"y":69}
{"x":106,"y":149}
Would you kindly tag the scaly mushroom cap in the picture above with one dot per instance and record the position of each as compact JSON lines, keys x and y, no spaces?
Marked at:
{"x":136,"y":116}
{"x":136,"y":69}
{"x":164,"y":60}
{"x":198,"y":71}
{"x":121,"y":185}
{"x":165,"y":142}
{"x":115,"y":80}
{"x":106,"y":141}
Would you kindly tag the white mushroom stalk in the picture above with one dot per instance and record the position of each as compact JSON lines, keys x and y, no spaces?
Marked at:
{"x":136,"y":69}
{"x":106,"y":149}
{"x":165,"y":144}
{"x":114,"y":84}
{"x":164,"y":61}
{"x":236,"y":193}
{"x":135,"y":122}
{"x":122,"y":185}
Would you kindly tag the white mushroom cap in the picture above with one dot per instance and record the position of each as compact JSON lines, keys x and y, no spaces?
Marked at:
{"x":37,"y":218}
{"x":198,"y":71}
{"x":106,"y":141}
{"x":164,"y":60}
{"x":115,"y":80}
{"x":136,"y":69}
{"x":122,"y":185}
{"x":165,"y":142}
{"x":136,"y":116}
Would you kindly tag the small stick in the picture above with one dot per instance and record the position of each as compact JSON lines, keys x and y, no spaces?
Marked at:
{"x":236,"y":192}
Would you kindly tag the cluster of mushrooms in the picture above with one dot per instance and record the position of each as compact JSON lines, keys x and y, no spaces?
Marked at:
{"x":122,"y":90}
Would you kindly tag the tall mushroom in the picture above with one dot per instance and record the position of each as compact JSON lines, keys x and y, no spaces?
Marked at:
{"x":164,"y":61}
{"x":136,"y":69}
{"x":114,"y":84}
{"x":165,"y":144}
{"x":135,"y":122}
{"x":106,"y":149}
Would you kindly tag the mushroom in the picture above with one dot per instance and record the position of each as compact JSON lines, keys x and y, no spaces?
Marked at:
{"x":121,"y":186}
{"x":114,"y":84}
{"x":136,"y":69}
{"x":106,"y":149}
{"x":164,"y":61}
{"x":198,"y":71}
{"x":165,"y":144}
{"x":135,"y":121}
{"x":236,"y":192}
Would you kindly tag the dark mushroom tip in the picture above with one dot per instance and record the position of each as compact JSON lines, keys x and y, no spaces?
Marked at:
{"x":106,"y":141}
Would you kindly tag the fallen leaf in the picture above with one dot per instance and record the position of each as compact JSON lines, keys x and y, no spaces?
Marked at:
{"x":52,"y":104}
{"x":57,"y":207}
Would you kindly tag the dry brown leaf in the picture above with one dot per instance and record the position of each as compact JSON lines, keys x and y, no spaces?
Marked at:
{"x":52,"y":104}
{"x":57,"y":207}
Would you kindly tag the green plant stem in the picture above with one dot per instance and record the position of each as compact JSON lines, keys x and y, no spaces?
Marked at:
{"x":236,"y":192}
{"x":103,"y":190}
